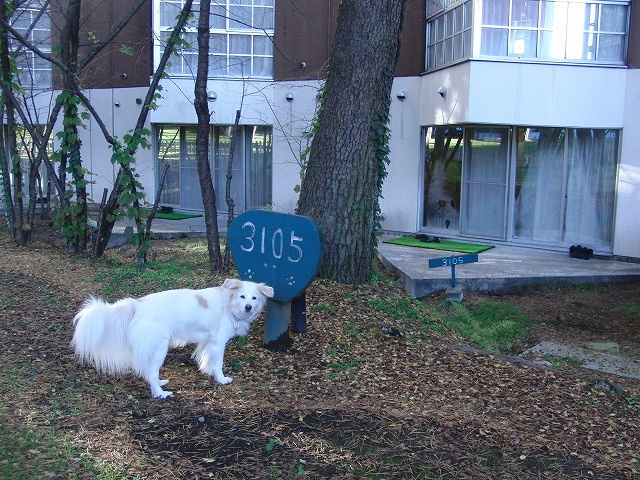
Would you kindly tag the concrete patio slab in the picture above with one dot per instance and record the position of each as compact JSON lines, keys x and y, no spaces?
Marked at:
{"x":500,"y":268}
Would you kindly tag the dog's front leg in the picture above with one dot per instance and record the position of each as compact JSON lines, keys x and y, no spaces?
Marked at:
{"x":210,"y":359}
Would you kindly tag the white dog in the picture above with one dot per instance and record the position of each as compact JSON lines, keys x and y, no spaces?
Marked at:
{"x":135,"y":334}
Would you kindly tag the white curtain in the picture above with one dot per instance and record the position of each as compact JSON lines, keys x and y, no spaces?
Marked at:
{"x":582,"y":180}
{"x":484,"y":181}
{"x":539,"y":184}
{"x":592,"y":164}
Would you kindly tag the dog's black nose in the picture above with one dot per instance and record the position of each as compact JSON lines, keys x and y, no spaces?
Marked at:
{"x":247,"y":307}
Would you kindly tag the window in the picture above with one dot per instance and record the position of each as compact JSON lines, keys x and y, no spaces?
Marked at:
{"x":555,"y":187}
{"x":251,"y":166}
{"x":449,"y":36}
{"x":32,"y":21}
{"x":240,"y":41}
{"x":29,"y":153}
{"x":565,"y":185}
{"x":594,"y":32}
{"x":559,"y":31}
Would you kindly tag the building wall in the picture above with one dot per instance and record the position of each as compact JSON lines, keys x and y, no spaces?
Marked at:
{"x":304,"y":31}
{"x":509,"y":93}
{"x":402,"y":190}
{"x":627,"y":223}
{"x":633,"y":58}
{"x":112,"y":68}
{"x":118,"y":120}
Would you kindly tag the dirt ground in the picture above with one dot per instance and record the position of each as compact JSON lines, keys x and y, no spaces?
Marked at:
{"x":575,"y":316}
{"x":345,"y":402}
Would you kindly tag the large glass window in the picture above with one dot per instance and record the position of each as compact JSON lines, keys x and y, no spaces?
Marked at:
{"x":31,"y":20}
{"x":565,"y":185}
{"x":564,"y":31}
{"x":484,"y":182}
{"x":251,"y":166}
{"x":570,"y":31}
{"x":449,"y":35}
{"x":554,"y":187}
{"x":240,"y":40}
{"x":443,"y":179}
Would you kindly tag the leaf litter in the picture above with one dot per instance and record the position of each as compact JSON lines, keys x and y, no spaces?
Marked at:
{"x":347,"y":401}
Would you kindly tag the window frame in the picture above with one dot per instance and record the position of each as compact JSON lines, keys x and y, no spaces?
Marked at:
{"x":481,"y":28}
{"x":221,"y":62}
{"x":28,"y":63}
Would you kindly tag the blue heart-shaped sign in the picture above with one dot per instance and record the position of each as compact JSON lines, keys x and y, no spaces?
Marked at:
{"x":278,"y":249}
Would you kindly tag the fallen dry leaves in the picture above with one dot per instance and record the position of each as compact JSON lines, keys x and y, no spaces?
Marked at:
{"x":345,"y":402}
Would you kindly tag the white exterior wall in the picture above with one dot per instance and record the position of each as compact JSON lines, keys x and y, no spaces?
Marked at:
{"x":477,"y":93}
{"x":546,"y":95}
{"x":626,"y":235}
{"x":402,"y":189}
{"x":119,"y":121}
{"x":509,"y":93}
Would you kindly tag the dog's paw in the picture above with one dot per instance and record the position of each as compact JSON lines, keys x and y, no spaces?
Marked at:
{"x":162,"y":394}
{"x":163,"y":382}
{"x":224,"y":380}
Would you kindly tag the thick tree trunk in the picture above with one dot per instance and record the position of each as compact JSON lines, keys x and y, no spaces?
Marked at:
{"x":340,"y":189}
{"x":202,"y":141}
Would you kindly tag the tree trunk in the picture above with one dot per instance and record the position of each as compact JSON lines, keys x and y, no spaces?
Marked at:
{"x":230,"y":202}
{"x":342,"y":182}
{"x":202,"y":141}
{"x":75,"y":222}
{"x":113,"y":205}
{"x":13,"y":210}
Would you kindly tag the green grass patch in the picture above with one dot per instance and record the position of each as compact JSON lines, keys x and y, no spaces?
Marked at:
{"x":401,"y":308}
{"x":120,"y":280}
{"x":629,"y":311}
{"x":494,"y":326}
{"x":173,"y":215}
{"x":28,"y":454}
{"x":411,"y":241}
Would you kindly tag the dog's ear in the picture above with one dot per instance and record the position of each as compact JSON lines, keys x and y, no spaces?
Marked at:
{"x":232,"y":283}
{"x":266,"y":290}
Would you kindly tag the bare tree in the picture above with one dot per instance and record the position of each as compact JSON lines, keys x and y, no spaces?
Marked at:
{"x":73,"y":220}
{"x":348,"y":155}
{"x":202,"y":140}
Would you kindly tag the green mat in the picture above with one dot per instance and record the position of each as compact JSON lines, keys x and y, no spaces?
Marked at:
{"x":175,"y":216}
{"x":411,"y":241}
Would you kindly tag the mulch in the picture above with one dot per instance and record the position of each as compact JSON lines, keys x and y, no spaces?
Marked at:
{"x":345,"y":402}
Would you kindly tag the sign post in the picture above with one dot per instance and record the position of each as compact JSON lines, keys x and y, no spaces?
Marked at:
{"x":284,"y":252}
{"x":453,"y":294}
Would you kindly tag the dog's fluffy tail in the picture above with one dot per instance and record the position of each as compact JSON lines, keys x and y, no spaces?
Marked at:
{"x":100,"y":336}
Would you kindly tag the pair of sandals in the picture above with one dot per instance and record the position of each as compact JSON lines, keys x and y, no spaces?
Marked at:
{"x":578,"y":251}
{"x":427,"y":238}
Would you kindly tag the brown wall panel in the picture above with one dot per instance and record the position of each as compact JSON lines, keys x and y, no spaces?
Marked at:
{"x":108,"y":69}
{"x":304,"y":32}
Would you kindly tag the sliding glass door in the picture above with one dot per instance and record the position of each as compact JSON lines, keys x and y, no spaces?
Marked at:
{"x":484,"y":182}
{"x":539,"y":185}
{"x":251,"y":166}
{"x":550,"y":186}
{"x":565,"y":186}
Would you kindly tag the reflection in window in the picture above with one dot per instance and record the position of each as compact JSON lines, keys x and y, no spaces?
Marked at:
{"x":240,"y":42}
{"x":577,"y":31}
{"x":443,"y":175}
{"x":593,"y":32}
{"x":251,"y":166}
